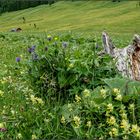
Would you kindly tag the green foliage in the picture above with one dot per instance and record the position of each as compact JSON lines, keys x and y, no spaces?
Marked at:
{"x":68,"y":62}
{"x":63,"y":90}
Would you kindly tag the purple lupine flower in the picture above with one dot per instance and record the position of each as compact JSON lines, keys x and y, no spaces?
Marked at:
{"x":18,"y":59}
{"x":31,"y":49}
{"x":64,"y":44}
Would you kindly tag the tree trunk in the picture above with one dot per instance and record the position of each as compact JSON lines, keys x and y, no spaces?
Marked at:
{"x":127,"y":59}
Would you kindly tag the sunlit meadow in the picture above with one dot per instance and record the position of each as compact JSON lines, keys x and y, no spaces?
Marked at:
{"x":56,"y":85}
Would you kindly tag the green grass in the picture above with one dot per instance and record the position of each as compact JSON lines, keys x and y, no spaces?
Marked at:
{"x":24,"y":119}
{"x":87,"y":17}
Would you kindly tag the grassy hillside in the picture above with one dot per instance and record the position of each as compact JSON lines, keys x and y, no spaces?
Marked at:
{"x":77,"y":16}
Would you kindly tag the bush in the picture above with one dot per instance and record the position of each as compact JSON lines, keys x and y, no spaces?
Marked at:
{"x":67,"y":64}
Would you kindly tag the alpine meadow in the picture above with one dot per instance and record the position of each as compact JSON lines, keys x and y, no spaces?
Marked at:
{"x":69,"y":69}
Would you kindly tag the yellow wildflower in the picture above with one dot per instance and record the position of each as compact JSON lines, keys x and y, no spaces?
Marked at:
{"x":110,"y":107}
{"x":63,"y":121}
{"x":111,"y":120}
{"x":70,"y":107}
{"x":76,"y":120}
{"x":19,"y":136}
{"x":113,"y":132}
{"x":125,"y":125}
{"x":77,"y":98}
{"x":135,"y":128}
{"x":131,"y":106}
{"x":123,"y":115}
{"x":86,"y":93}
{"x":88,"y":124}
{"x":34,"y":137}
{"x":116,"y":91}
{"x":119,"y":97}
{"x":40,"y":101}
{"x":103,"y":93}
{"x":71,"y":65}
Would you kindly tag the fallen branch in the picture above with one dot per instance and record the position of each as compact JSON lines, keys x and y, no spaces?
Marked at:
{"x":127,"y":59}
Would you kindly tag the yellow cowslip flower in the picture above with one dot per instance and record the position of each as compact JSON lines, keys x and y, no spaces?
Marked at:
{"x":135,"y":128}
{"x":123,"y":115}
{"x":110,"y":107}
{"x":63,"y":121}
{"x":71,"y":65}
{"x":70,"y":107}
{"x":1,"y":93}
{"x":86,"y":93}
{"x":19,"y":136}
{"x":33,"y":99}
{"x":111,"y":120}
{"x":77,"y":120}
{"x":125,"y":125}
{"x":116,"y":91}
{"x":119,"y":97}
{"x":115,"y":131}
{"x":34,"y":137}
{"x":77,"y":98}
{"x":88,"y":124}
{"x":103,"y":93}
{"x":40,"y":101}
{"x":131,"y":106}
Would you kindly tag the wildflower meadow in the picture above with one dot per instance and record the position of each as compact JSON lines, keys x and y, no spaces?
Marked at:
{"x":57,"y":86}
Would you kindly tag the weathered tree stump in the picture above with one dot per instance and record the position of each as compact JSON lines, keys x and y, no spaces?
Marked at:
{"x":127,"y":59}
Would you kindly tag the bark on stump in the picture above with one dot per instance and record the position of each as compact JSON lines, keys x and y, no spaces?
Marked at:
{"x":127,"y":59}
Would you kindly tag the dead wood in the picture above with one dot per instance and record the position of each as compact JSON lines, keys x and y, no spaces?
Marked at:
{"x":127,"y":59}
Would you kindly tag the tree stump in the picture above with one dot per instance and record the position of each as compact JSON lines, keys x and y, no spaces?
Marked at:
{"x":127,"y":59}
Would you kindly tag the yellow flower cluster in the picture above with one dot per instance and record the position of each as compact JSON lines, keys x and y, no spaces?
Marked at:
{"x":116,"y":91}
{"x":88,"y":124}
{"x":111,"y":120}
{"x":125,"y":125}
{"x":113,"y":132}
{"x":119,"y":97}
{"x":86,"y":93}
{"x":77,"y":121}
{"x":110,"y":107}
{"x":36,"y":100}
{"x":103,"y":93}
{"x":135,"y":128}
{"x":34,"y":137}
{"x":70,"y":107}
{"x":77,"y":98}
{"x":63,"y":121}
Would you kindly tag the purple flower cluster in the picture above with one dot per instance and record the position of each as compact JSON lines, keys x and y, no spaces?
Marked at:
{"x":64,"y":44}
{"x":18,"y":59}
{"x":31,"y":49}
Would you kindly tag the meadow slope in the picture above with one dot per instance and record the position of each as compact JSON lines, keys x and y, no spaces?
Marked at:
{"x":77,"y":16}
